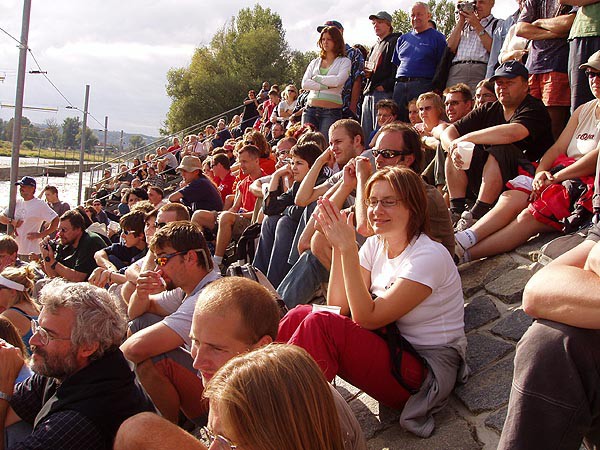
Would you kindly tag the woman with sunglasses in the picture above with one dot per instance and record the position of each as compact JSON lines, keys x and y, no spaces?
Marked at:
{"x":324,"y":78}
{"x":400,"y":279}
{"x":286,"y":105}
{"x":557,"y":198}
{"x":16,"y":304}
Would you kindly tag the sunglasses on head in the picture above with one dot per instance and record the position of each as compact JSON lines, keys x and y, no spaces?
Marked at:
{"x":389,"y":154}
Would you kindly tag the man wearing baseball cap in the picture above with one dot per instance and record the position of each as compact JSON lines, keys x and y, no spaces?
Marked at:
{"x":352,"y":88}
{"x":198,"y":191}
{"x":30,"y":214}
{"x":508,"y":135}
{"x":379,"y":69}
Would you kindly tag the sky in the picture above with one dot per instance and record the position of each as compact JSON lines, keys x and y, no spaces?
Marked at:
{"x":124,"y":49}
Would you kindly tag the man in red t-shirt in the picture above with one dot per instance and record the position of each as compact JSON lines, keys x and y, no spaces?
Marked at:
{"x":233,"y":221}
{"x":221,"y":175}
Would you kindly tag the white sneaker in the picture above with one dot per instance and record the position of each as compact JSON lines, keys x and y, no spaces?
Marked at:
{"x":465,"y":222}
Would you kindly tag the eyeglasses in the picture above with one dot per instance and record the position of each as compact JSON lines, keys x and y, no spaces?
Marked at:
{"x":127,"y":232}
{"x":159,"y":225}
{"x":387,"y":202}
{"x":425,"y":108}
{"x":45,"y":337}
{"x":485,"y":95}
{"x":283,"y":152}
{"x":222,"y":443}
{"x":389,"y":154}
{"x":592,"y":74}
{"x":162,"y":261}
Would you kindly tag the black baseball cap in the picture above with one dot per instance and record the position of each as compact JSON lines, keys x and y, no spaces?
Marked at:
{"x":26,"y":181}
{"x":330,"y":23}
{"x":510,"y":69}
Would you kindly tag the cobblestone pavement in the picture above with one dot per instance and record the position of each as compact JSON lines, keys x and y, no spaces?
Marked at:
{"x":494,"y":323}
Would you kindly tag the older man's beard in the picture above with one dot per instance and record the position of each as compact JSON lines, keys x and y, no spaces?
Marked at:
{"x":53,"y":366}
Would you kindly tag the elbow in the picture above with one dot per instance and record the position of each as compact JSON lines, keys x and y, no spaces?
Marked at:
{"x":532,"y":300}
{"x":132,"y":350}
{"x":300,"y":200}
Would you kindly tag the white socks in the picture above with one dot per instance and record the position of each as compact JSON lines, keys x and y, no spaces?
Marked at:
{"x":466,"y":239}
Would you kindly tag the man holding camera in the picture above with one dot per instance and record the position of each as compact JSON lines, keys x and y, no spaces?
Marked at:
{"x":471,"y":41}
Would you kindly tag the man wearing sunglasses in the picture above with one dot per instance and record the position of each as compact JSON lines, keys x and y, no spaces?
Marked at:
{"x":160,"y":342}
{"x":82,"y":388}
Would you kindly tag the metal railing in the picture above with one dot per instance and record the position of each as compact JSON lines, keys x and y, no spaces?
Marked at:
{"x":165,"y":140}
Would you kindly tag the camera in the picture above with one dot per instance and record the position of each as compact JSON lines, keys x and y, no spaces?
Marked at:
{"x":466,"y":6}
{"x":50,"y":244}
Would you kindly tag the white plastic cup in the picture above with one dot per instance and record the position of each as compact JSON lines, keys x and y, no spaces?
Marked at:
{"x":465,"y":150}
{"x":369,"y":65}
{"x":327,"y":308}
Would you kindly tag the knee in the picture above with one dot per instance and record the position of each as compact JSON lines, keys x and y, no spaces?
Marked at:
{"x":320,"y":247}
{"x":525,"y":217}
{"x":227,"y":219}
{"x":133,"y":432}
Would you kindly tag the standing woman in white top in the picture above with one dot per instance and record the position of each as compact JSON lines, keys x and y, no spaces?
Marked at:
{"x":324,"y":78}
{"x":400,"y":278}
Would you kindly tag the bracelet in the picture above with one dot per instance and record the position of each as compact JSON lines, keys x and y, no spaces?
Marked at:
{"x":5,"y":396}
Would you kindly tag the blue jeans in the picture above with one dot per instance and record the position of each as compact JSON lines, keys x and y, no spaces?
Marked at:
{"x":405,"y":91}
{"x":321,"y":118}
{"x":276,"y":238}
{"x":580,"y":49}
{"x":555,"y":396}
{"x":368,"y":118}
{"x":302,"y":281}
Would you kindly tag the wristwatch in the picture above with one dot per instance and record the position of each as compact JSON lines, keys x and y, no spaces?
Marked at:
{"x":53,"y":265}
{"x":5,"y":396}
{"x":481,"y":33}
{"x":47,"y":258}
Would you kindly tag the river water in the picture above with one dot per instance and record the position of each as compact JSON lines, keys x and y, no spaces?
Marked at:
{"x":67,"y":186}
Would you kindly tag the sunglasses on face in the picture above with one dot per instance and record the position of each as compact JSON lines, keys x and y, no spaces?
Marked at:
{"x":389,"y":154}
{"x":591,"y":74}
{"x":127,"y":232}
{"x":162,"y":261}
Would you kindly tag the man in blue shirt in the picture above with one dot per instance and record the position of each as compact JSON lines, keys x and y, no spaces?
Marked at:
{"x":198,"y":192}
{"x":417,"y":55}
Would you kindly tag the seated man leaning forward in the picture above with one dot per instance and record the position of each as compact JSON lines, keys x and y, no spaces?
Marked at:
{"x":235,"y":316}
{"x":232,"y":222}
{"x":160,"y":329}
{"x":82,"y":387}
{"x":508,"y":135}
{"x":73,"y":258}
{"x":554,"y":400}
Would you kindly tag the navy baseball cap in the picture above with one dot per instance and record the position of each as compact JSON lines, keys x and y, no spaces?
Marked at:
{"x":26,"y":181}
{"x":330,"y":23}
{"x":510,"y":69}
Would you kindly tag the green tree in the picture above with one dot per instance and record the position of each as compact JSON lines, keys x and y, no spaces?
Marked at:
{"x":442,"y":13}
{"x":51,"y":133}
{"x":248,"y":50}
{"x":70,"y":129}
{"x":91,"y":140}
{"x":28,"y":130}
{"x":136,"y":141}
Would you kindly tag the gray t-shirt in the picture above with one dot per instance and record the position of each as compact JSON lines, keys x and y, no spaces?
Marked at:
{"x":181,"y":307}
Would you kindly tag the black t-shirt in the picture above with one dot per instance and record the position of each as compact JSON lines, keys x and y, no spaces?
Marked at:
{"x":202,"y":194}
{"x":531,"y":113}
{"x":81,"y":258}
{"x":127,"y":255}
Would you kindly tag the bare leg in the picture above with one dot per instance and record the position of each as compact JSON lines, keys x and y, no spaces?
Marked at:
{"x":226,"y":221}
{"x":456,"y":180}
{"x":204,"y":219}
{"x":127,"y":290}
{"x":509,"y":237}
{"x":321,"y":248}
{"x":491,"y":182}
{"x":509,"y":205}
{"x":559,"y":116}
{"x":134,"y":434}
{"x":159,"y":388}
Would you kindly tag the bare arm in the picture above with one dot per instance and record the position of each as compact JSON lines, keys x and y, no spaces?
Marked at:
{"x":102,"y":260}
{"x":455,"y":34}
{"x":448,"y":135}
{"x":545,"y":295}
{"x":175,"y":197}
{"x":560,"y":25}
{"x":535,"y":33}
{"x":308,"y":192}
{"x":144,"y":298}
{"x":578,"y":2}
{"x":151,"y":341}
{"x":497,"y":135}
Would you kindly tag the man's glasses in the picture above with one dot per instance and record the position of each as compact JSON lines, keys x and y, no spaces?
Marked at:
{"x":591,"y":73}
{"x":221,"y":442}
{"x":127,"y":232}
{"x":162,"y":261}
{"x":45,"y":337}
{"x":389,"y":154}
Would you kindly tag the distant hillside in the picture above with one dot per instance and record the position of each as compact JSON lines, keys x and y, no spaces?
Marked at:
{"x":113,"y":137}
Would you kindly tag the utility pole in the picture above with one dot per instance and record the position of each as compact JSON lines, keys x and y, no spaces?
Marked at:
{"x":82,"y":147}
{"x":105,"y":137}
{"x":121,"y":147}
{"x":16,"y":143}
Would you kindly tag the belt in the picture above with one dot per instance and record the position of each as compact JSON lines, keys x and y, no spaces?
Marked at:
{"x":469,"y":61}
{"x":405,"y":79}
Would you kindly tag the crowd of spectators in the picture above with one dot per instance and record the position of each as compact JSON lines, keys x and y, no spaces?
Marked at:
{"x":364,"y":189}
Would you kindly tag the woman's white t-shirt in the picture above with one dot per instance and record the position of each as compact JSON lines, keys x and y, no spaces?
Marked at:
{"x":437,"y":320}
